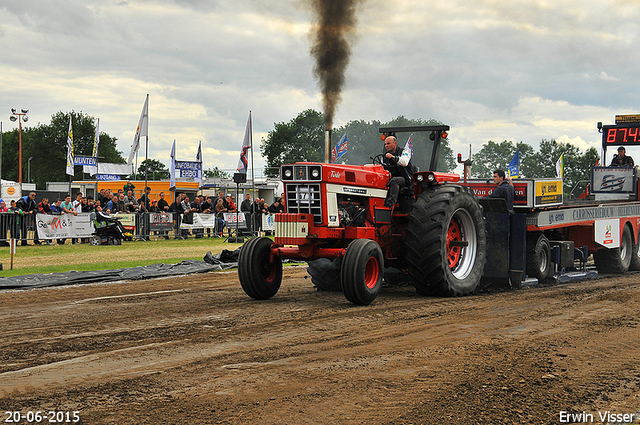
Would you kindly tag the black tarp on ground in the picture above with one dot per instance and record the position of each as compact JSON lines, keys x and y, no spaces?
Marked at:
{"x":223,"y":261}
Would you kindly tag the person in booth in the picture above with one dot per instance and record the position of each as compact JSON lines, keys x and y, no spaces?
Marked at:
{"x":621,"y":159}
{"x":399,"y":166}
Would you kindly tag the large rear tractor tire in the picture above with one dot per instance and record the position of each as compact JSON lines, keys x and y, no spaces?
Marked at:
{"x":362,"y":271}
{"x":538,"y":257}
{"x":325,"y":274}
{"x":260,"y":278}
{"x":616,"y":260}
{"x":446,"y":241}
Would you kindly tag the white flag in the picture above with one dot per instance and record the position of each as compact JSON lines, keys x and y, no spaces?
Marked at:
{"x":560,"y":167}
{"x":199,"y":160}
{"x":142,"y":130}
{"x":173,"y":165}
{"x":246,"y":145}
{"x":91,"y":169}
{"x":70,"y":150}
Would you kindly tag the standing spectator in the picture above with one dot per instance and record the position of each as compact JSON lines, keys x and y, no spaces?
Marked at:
{"x":220,"y":210}
{"x":224,"y":200}
{"x":55,"y":206}
{"x":245,"y":206}
{"x":5,"y":219}
{"x":232,"y":203}
{"x":14,"y":224}
{"x":208,"y":208}
{"x":176,"y":207}
{"x":77,"y":207}
{"x":196,"y":207}
{"x":145,"y":204}
{"x":128,"y":187}
{"x":163,"y":205}
{"x":43,"y":206}
{"x":274,"y":208}
{"x":27,"y":204}
{"x":121,"y":203}
{"x":131,"y":202}
{"x":257,"y":215}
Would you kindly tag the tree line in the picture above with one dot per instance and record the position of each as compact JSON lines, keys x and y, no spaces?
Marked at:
{"x":301,"y":139}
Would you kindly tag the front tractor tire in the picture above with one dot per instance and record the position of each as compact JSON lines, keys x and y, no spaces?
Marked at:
{"x":446,"y":241}
{"x":362,"y":271}
{"x":259,"y":276}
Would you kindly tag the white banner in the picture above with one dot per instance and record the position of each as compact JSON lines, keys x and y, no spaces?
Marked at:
{"x":64,"y":226}
{"x":268,"y":222}
{"x":203,"y":221}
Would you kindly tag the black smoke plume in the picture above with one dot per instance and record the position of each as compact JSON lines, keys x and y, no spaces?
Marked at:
{"x":332,"y":50}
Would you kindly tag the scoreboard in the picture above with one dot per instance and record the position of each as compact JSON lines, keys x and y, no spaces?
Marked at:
{"x":625,"y":132}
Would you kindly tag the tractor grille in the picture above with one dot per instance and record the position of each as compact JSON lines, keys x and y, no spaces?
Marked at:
{"x":304,"y":199}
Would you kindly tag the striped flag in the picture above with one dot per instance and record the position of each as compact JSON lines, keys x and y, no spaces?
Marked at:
{"x":339,"y":149}
{"x":246,"y":145}
{"x":70,"y":150}
{"x":560,"y":167}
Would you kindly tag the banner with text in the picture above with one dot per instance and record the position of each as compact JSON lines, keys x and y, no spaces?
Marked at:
{"x":64,"y":226}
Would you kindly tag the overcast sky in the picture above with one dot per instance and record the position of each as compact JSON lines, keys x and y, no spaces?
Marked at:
{"x":491,"y":69}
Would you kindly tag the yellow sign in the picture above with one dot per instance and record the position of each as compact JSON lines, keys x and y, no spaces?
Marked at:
{"x":548,"y":192}
{"x":627,"y":119}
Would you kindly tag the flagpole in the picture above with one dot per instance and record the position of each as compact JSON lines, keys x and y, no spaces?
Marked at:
{"x":253,"y":171}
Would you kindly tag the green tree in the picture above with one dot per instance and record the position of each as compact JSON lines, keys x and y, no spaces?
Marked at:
{"x":494,"y":156}
{"x":156,"y":171}
{"x":302,"y":139}
{"x":577,"y":164}
{"x":215,"y":172}
{"x":47,"y":144}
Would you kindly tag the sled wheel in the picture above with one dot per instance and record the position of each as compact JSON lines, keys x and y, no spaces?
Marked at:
{"x":96,"y":240}
{"x":616,"y":260}
{"x":362,"y":271}
{"x":325,"y":274}
{"x":446,"y":241}
{"x":538,"y":257}
{"x":260,"y":278}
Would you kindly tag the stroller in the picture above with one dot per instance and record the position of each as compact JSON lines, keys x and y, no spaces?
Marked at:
{"x":109,"y":231}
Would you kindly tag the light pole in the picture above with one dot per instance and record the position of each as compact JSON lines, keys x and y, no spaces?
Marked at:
{"x":29,"y":169}
{"x":19,"y":116}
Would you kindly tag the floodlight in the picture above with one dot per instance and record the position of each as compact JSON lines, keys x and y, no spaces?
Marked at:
{"x":13,"y":118}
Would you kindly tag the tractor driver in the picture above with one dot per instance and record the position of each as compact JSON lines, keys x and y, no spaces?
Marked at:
{"x":399,"y":166}
{"x":504,"y":189}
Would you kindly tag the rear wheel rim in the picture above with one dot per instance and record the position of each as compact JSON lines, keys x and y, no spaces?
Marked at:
{"x":461,"y":258}
{"x":371,"y":272}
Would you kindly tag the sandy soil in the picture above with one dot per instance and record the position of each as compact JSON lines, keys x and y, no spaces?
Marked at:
{"x":197,"y":350}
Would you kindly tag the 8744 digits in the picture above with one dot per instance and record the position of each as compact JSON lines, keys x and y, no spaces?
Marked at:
{"x":51,"y":417}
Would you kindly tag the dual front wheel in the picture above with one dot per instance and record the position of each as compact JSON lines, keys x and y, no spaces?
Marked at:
{"x":361,"y":270}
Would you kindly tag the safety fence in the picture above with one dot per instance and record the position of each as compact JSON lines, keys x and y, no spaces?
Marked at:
{"x":69,"y":228}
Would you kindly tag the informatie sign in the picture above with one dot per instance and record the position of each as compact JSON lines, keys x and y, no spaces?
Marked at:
{"x":189,"y":169}
{"x":613,"y":180}
{"x":548,"y":192}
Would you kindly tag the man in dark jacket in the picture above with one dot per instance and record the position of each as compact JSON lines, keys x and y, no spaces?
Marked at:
{"x":399,"y":166}
{"x":504,"y":190}
{"x":29,"y":207}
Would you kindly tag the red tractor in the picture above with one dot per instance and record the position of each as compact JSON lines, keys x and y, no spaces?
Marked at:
{"x":435,"y":233}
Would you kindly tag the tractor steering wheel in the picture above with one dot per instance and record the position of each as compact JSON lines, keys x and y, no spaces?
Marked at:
{"x":378,"y":159}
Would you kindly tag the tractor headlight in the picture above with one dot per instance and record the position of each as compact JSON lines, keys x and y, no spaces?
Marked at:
{"x":315,"y":173}
{"x":420,"y":178}
{"x":431,"y":178}
{"x":287,"y":173}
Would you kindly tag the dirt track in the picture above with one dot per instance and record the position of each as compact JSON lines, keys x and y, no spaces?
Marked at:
{"x":197,"y":350}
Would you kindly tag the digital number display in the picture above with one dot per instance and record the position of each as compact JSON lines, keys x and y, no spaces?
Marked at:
{"x":615,"y":135}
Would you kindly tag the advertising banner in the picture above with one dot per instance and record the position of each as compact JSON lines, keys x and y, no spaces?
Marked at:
{"x":548,"y":192}
{"x":613,"y":180}
{"x":161,"y":221}
{"x":64,"y":226}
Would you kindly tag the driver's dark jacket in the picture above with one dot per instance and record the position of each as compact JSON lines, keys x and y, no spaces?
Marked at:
{"x":398,"y":170}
